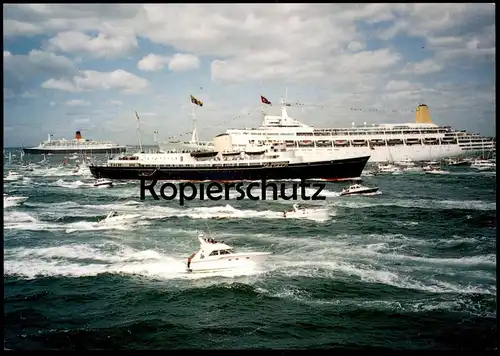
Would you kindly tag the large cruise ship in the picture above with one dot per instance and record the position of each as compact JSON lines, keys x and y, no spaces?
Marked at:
{"x":419,"y":141}
{"x":77,"y":145}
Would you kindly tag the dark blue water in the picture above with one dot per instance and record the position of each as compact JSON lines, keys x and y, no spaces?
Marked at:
{"x":411,"y":268}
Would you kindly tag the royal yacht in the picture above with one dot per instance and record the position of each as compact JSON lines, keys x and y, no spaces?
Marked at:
{"x":77,"y":145}
{"x":419,"y":141}
{"x":226,"y":164}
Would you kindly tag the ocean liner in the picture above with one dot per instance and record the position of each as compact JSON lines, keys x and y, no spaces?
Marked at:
{"x":419,"y":141}
{"x":226,"y":164}
{"x":77,"y":145}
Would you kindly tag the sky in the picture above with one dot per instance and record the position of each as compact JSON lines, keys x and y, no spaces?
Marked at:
{"x":89,"y":67}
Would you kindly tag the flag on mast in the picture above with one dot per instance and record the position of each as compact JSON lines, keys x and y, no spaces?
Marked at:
{"x":264,"y":100}
{"x":196,"y":101}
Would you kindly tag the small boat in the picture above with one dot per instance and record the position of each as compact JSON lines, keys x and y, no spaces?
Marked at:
{"x":216,"y":256}
{"x":436,"y":171}
{"x":484,"y":165}
{"x":14,"y":200}
{"x":13,"y":176}
{"x":115,"y":218}
{"x":303,"y":213}
{"x":103,"y":183}
{"x":457,"y":163}
{"x":407,"y":163}
{"x":358,"y":189}
{"x":388,"y":168}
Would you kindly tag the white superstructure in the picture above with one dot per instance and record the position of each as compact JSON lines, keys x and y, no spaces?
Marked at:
{"x":419,"y":141}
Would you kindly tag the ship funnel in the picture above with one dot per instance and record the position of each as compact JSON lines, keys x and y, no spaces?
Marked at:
{"x":422,"y":115}
{"x":78,"y":135}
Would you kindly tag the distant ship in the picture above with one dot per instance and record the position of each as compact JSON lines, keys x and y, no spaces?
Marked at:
{"x":77,"y":145}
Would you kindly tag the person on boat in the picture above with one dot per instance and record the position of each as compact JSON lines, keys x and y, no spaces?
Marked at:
{"x":114,"y":213}
{"x":284,"y":214}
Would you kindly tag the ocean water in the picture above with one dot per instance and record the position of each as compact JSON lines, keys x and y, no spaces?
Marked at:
{"x":411,"y":268}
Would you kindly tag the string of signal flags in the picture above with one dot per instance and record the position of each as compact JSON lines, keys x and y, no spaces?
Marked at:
{"x":265,"y":101}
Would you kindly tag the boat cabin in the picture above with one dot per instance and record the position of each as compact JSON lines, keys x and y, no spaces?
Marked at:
{"x":213,"y":249}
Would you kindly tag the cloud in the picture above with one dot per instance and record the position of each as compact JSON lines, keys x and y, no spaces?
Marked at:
{"x":101,"y":46}
{"x":94,"y":80}
{"x":152,"y":62}
{"x":176,"y":63}
{"x":183,"y":62}
{"x":77,"y":102}
{"x":427,"y":66}
{"x":338,"y":56}
{"x":20,"y":70}
{"x":115,"y":102}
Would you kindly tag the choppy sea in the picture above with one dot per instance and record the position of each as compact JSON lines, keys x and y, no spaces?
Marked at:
{"x":411,"y":268}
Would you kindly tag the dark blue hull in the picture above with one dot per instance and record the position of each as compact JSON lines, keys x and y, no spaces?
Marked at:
{"x":334,"y":170}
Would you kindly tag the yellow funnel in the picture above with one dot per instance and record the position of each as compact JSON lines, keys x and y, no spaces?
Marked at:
{"x":422,"y":115}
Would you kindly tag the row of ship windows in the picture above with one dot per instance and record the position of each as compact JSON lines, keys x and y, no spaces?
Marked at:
{"x":347,"y":133}
{"x":213,"y":165}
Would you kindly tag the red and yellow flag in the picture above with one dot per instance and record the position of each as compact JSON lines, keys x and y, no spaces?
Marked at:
{"x":196,"y":101}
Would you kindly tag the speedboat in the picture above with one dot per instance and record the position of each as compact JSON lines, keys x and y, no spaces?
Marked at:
{"x":484,"y":165}
{"x":355,"y":189}
{"x":13,"y":200}
{"x":388,"y":168}
{"x":114,"y":218}
{"x":412,"y":169}
{"x":13,"y":176}
{"x":456,"y":163}
{"x":303,"y":213}
{"x":406,"y":163}
{"x":436,"y":171}
{"x":103,"y":183}
{"x":216,"y":256}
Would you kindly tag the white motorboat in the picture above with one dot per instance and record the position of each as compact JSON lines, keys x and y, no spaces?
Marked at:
{"x":103,"y":183}
{"x":115,"y":218}
{"x":457,"y":162}
{"x":388,"y":168}
{"x":412,"y":169}
{"x":484,"y":165}
{"x":12,"y":177}
{"x":358,"y":189}
{"x":304,"y":213}
{"x":436,"y":171}
{"x":216,"y":256}
{"x":408,"y":162}
{"x":13,"y":200}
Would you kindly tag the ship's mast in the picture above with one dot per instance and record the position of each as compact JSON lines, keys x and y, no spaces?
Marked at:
{"x":194,"y":136}
{"x":138,"y":132}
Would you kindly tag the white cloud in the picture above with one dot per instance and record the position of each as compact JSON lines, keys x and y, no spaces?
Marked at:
{"x":115,"y":102}
{"x":423,"y":67}
{"x":323,"y":51}
{"x":20,"y":69}
{"x":183,"y":62}
{"x":101,"y":46}
{"x":77,"y":102}
{"x":177,"y":63}
{"x":152,"y":62}
{"x":93,"y":80}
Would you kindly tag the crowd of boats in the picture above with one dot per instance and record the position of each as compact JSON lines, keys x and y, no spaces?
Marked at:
{"x":281,"y":148}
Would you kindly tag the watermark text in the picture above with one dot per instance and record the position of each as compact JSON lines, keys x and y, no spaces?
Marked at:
{"x":216,"y":191}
